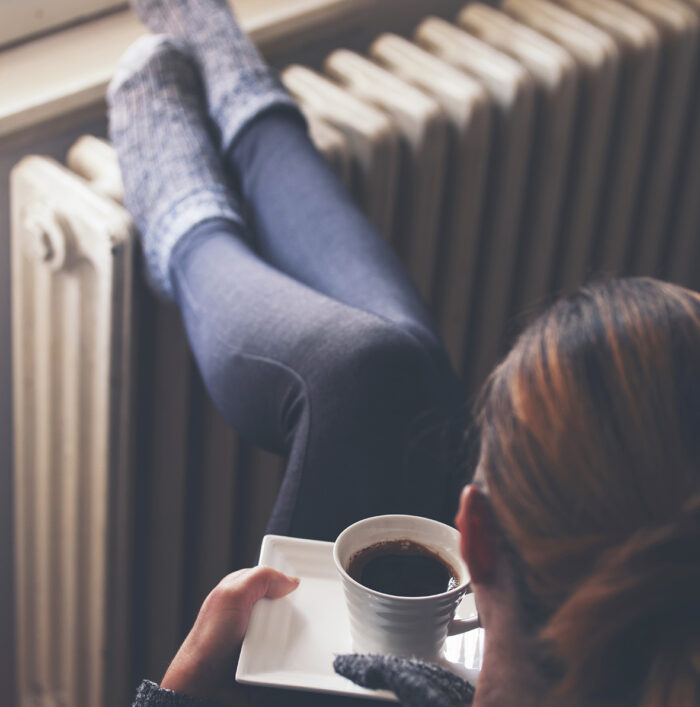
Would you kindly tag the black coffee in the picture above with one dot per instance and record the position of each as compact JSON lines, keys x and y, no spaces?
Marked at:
{"x":403,"y":568}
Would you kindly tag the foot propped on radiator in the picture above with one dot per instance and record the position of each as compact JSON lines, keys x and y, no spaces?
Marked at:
{"x":173,"y":179}
{"x":238,"y":82}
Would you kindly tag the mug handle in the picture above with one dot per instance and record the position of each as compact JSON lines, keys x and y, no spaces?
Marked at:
{"x":463,"y":625}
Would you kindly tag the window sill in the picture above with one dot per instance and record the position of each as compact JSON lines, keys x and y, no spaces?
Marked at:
{"x":68,"y":71}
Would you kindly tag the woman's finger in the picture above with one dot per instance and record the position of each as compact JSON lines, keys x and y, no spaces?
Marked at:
{"x":279,"y":585}
{"x":252,"y":584}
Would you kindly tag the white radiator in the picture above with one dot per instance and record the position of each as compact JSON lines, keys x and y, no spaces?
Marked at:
{"x":506,"y":157}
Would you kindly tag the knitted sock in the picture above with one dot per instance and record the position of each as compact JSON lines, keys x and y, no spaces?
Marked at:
{"x":415,"y":682}
{"x":172,"y":172}
{"x":238,"y":83}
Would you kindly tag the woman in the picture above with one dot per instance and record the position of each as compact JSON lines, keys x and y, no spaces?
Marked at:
{"x":581,"y":530}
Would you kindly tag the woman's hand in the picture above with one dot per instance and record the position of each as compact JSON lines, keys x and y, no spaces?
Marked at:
{"x":204,"y":667}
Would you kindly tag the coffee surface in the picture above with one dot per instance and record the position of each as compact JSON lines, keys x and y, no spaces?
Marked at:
{"x":402,"y":568}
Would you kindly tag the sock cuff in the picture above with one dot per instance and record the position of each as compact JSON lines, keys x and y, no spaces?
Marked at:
{"x":255,"y":90}
{"x":207,"y":202}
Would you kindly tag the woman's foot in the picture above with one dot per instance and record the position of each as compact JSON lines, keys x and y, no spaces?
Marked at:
{"x":238,"y":82}
{"x":172,"y":172}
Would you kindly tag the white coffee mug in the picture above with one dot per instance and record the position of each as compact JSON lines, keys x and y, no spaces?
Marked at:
{"x":404,"y":626}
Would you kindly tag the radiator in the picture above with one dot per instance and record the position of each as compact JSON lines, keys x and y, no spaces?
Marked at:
{"x":506,"y":156}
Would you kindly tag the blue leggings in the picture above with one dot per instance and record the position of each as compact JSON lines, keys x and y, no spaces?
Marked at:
{"x":313,"y":343}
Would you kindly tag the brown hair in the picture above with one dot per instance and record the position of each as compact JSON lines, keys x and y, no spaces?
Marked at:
{"x":590,"y":451}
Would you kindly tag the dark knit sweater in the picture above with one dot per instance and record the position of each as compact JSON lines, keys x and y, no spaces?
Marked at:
{"x":151,"y":695}
{"x":416,"y":684}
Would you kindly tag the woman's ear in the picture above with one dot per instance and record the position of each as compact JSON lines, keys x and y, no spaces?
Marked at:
{"x":479,"y":538}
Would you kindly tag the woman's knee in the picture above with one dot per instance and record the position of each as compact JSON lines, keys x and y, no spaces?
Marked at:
{"x":371,"y":366}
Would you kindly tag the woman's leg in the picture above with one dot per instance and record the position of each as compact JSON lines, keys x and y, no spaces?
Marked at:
{"x":348,"y":397}
{"x":306,"y":223}
{"x":308,"y":226}
{"x":343,"y":392}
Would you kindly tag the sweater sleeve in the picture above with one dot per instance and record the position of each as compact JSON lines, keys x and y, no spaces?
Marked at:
{"x":151,"y":695}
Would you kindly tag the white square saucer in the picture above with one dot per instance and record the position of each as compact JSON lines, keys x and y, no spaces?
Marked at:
{"x":291,"y":642}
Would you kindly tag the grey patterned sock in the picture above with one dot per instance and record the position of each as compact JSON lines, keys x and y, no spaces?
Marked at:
{"x":415,"y":682}
{"x":172,"y":172}
{"x":238,"y":82}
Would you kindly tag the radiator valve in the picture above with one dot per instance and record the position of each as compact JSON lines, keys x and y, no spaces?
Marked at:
{"x":45,"y":238}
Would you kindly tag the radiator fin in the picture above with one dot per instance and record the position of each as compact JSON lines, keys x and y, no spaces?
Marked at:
{"x":556,"y":77}
{"x":638,"y":42}
{"x":66,"y":294}
{"x":598,"y":58}
{"x":468,"y":112}
{"x":512,"y":91}
{"x":422,"y":130}
{"x":682,"y":257}
{"x":678,"y":25}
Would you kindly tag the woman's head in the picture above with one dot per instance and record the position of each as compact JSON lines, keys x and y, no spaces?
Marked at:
{"x":590,"y":456}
